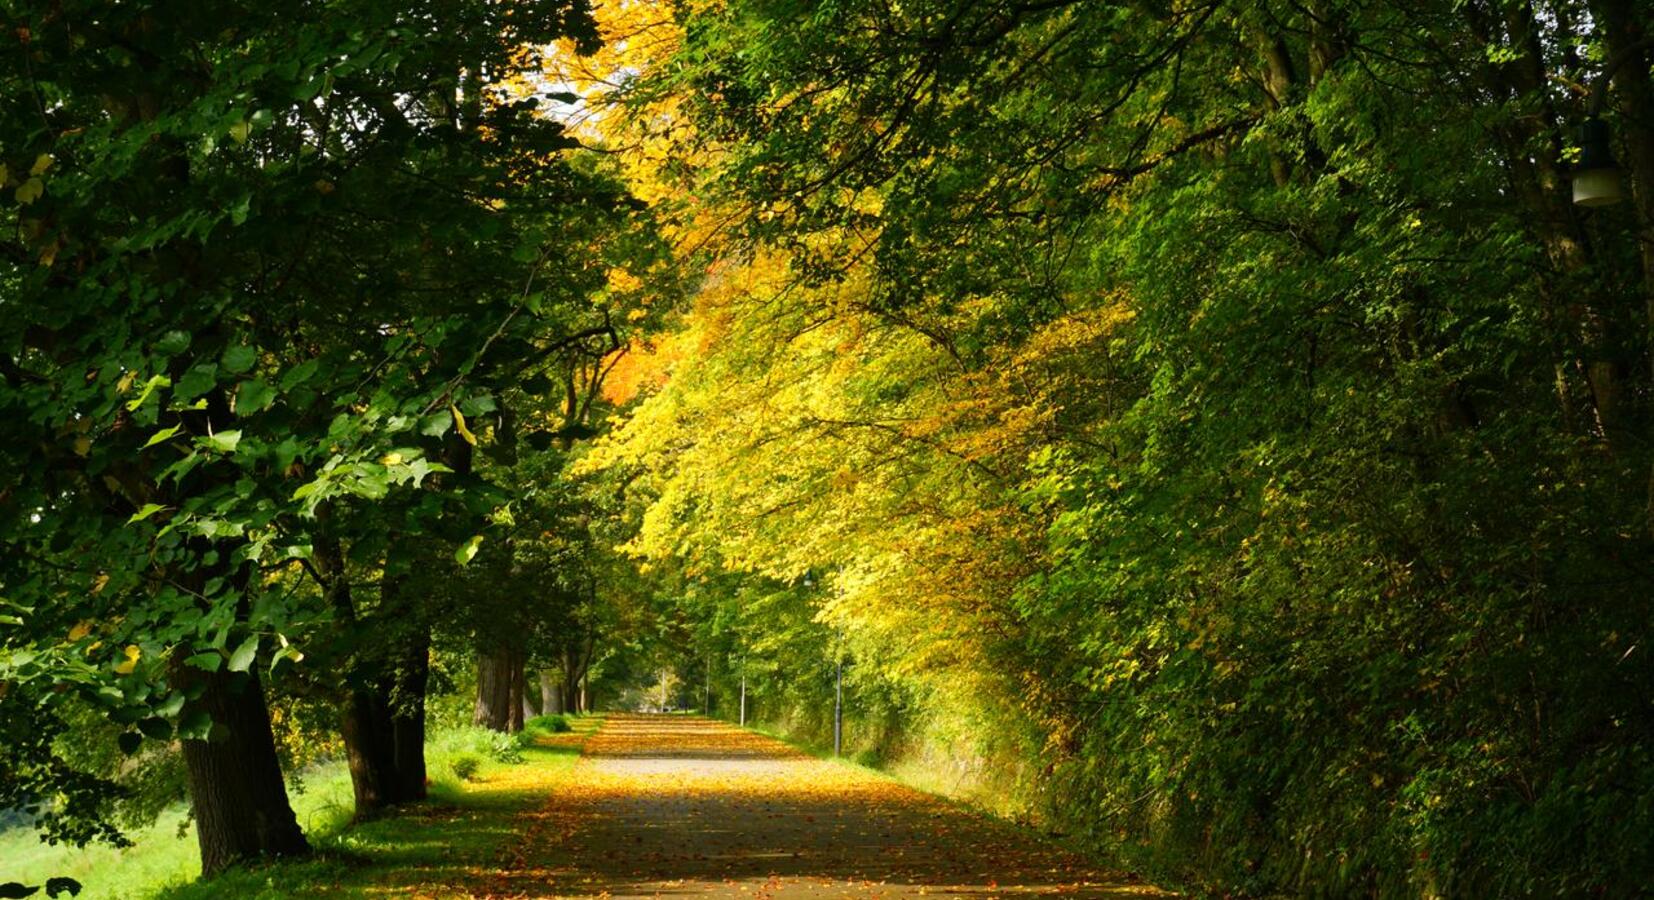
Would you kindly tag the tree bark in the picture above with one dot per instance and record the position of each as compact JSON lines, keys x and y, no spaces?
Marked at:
{"x":576,"y":662}
{"x":1634,"y":93}
{"x":235,"y":780}
{"x":366,"y":725}
{"x":493,"y":708}
{"x":369,"y":753}
{"x":532,"y":699}
{"x":517,"y":702}
{"x":551,"y":693}
{"x":571,"y":680}
{"x":408,"y":716}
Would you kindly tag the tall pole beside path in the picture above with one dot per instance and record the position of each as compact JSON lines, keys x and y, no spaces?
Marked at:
{"x":838,"y":707}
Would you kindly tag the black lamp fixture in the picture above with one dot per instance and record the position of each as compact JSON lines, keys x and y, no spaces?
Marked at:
{"x":1597,"y":177}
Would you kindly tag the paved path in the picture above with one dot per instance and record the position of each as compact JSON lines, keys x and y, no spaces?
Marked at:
{"x":674,"y":805}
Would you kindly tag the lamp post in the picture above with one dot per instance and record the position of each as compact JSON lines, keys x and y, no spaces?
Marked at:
{"x":838,"y":667}
{"x":838,"y":697}
{"x":1597,"y":175}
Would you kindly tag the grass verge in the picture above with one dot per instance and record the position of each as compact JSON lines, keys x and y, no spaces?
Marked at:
{"x":438,"y":847}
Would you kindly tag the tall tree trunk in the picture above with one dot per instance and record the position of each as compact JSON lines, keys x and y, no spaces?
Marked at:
{"x":1634,"y":92}
{"x":551,"y":693}
{"x":235,"y":781}
{"x":576,"y":662}
{"x":408,"y":715}
{"x":369,"y":752}
{"x":516,"y":700}
{"x":532,"y":705}
{"x":493,"y":708}
{"x":571,"y":680}
{"x":365,"y":714}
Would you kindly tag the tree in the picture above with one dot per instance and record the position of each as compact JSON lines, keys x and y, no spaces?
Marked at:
{"x":265,"y":262}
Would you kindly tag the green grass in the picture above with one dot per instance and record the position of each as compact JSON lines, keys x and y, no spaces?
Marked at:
{"x":461,"y":829}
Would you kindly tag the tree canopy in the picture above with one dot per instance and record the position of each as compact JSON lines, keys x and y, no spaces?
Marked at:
{"x":1215,"y":413}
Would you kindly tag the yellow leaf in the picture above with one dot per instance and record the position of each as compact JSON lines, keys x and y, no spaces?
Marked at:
{"x":459,"y":422}
{"x":240,"y":131}
{"x":30,"y":191}
{"x":49,"y":255}
{"x":41,"y":164}
{"x":324,"y":186}
{"x":131,"y":662}
{"x":83,"y":445}
{"x":125,"y":384}
{"x":391,"y":459}
{"x":81,"y":629}
{"x":99,"y":583}
{"x":5,"y":173}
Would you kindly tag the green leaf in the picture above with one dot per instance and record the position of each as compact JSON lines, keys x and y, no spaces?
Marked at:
{"x":299,"y":374}
{"x":173,"y":343}
{"x":208,"y":661}
{"x":155,"y":382}
{"x":468,"y":550}
{"x":238,"y":360}
{"x":175,"y":702}
{"x":253,"y":396}
{"x":223,"y":441}
{"x":129,"y":742}
{"x":436,"y":425}
{"x":478,"y":405}
{"x":307,"y":90}
{"x":288,"y":653}
{"x":196,"y":725}
{"x":156,"y":727}
{"x":197,"y":381}
{"x":242,"y":659}
{"x":162,"y":435}
{"x":149,"y":509}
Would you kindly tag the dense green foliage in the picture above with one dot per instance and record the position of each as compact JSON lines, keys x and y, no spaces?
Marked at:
{"x":1229,"y":390}
{"x":1215,"y":411}
{"x":272,"y":272}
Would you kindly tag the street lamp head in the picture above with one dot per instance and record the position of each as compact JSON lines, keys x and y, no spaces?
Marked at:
{"x":1596,"y":176}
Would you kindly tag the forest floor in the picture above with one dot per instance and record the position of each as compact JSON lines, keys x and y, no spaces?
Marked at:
{"x":675,"y":805}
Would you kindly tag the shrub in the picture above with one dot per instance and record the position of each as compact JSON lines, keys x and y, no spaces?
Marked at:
{"x":465,"y":766}
{"x":552,"y":724}
{"x":480,"y":742}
